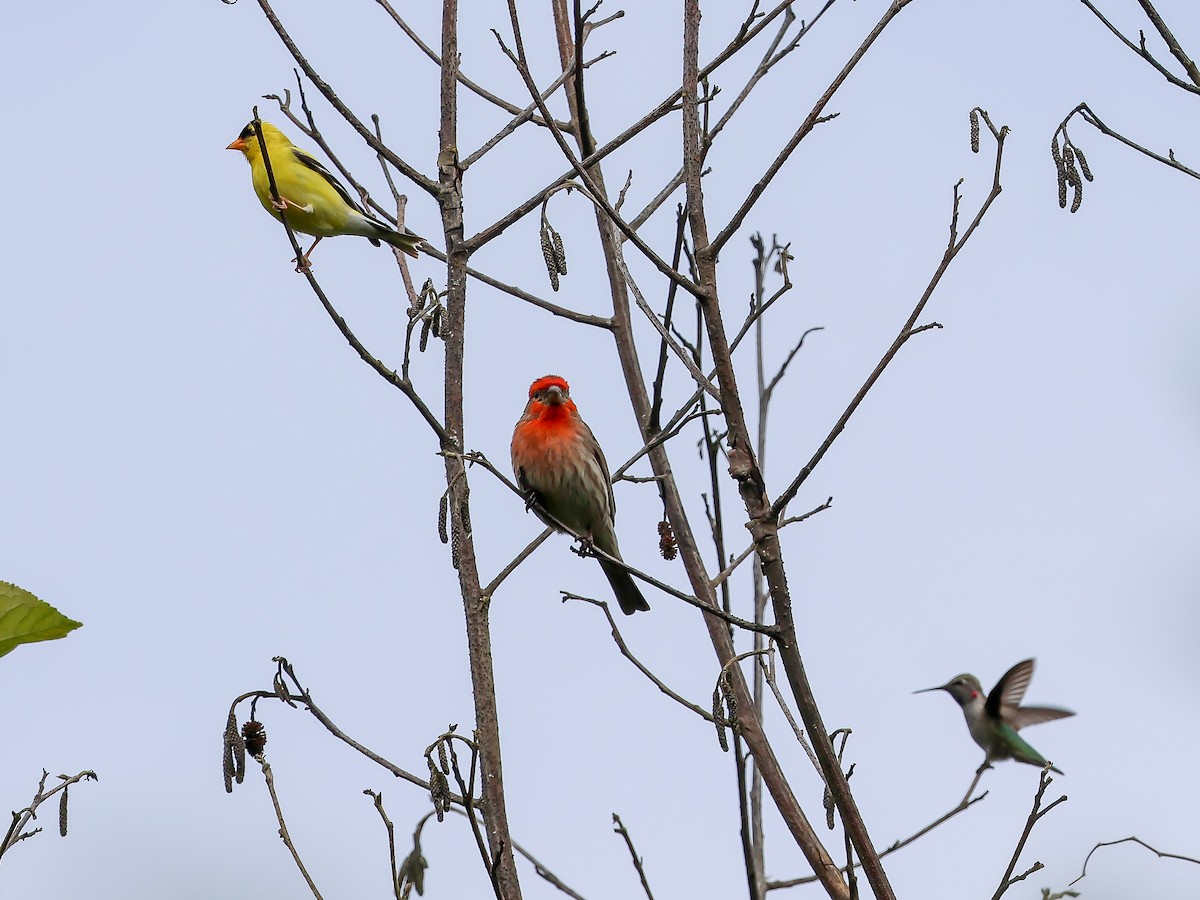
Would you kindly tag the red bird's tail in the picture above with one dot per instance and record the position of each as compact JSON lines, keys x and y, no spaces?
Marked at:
{"x":625,"y":589}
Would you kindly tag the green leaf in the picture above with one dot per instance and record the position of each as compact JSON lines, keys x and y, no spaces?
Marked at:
{"x":24,"y":619}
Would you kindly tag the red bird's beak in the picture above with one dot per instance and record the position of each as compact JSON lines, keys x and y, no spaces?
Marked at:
{"x":554,"y":395}
{"x":239,"y":144}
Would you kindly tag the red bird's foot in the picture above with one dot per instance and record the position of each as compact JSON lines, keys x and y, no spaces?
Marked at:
{"x":585,"y":549}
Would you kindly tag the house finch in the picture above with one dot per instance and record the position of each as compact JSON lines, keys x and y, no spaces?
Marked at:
{"x":558,"y":462}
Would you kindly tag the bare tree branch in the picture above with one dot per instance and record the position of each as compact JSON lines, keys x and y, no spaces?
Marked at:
{"x":581,"y":171}
{"x":810,"y":122}
{"x":22,"y":817}
{"x":284,"y":834}
{"x":897,"y":845}
{"x":1035,"y":815}
{"x":1072,"y":165}
{"x":637,"y":860}
{"x":426,"y":184}
{"x":953,"y":246}
{"x":1161,"y":854}
{"x":510,"y":108}
{"x":638,"y":664}
{"x":1141,"y":50}
{"x":750,"y":29}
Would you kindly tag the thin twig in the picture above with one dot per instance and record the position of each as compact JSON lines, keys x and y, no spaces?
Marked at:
{"x":1161,"y":854}
{"x":750,"y":29}
{"x":21,"y":818}
{"x":532,"y":299}
{"x":770,"y":59}
{"x":510,"y":108}
{"x":767,"y":666}
{"x":1035,"y":814}
{"x":811,"y":121}
{"x":1085,"y":112}
{"x":637,"y":860}
{"x":1144,"y":53}
{"x":668,"y":310}
{"x":524,"y":116}
{"x":672,"y":429}
{"x":641,"y":667}
{"x":519,"y":60}
{"x":517,"y":560}
{"x":444,"y":745}
{"x":682,"y":355}
{"x":402,"y":384}
{"x":302,"y":696}
{"x":593,"y":550}
{"x":377,"y":797}
{"x":269,"y":777}
{"x":907,"y":330}
{"x":897,"y":845}
{"x":426,"y":184}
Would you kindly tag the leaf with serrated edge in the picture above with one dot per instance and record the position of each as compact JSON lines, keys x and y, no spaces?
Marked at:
{"x":25,"y":619}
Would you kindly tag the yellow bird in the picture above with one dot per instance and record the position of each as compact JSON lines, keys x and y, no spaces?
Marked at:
{"x":313,"y":200}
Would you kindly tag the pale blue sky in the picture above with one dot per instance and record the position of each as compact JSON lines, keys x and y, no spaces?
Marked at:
{"x":202,"y":471}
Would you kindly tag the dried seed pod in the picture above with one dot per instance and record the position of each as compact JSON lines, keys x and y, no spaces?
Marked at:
{"x":464,"y":510}
{"x":666,"y":541}
{"x":62,"y":812}
{"x":233,"y":754}
{"x":719,"y":719}
{"x":443,"y":512}
{"x":551,"y":243}
{"x":827,"y":802}
{"x":974,"y":131}
{"x":443,"y":762}
{"x":1059,"y":171}
{"x":731,"y":703}
{"x":560,"y":254}
{"x":255,"y":737}
{"x":439,"y":791}
{"x":1083,"y":164}
{"x":426,"y":327}
{"x":725,"y":707}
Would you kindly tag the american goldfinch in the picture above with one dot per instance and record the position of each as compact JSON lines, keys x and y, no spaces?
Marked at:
{"x":313,"y":200}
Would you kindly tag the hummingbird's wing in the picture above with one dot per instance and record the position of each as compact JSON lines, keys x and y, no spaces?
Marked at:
{"x":1006,"y":696}
{"x":1035,"y":715}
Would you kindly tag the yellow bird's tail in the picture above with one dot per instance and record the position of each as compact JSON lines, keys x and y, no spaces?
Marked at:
{"x":406,"y":241}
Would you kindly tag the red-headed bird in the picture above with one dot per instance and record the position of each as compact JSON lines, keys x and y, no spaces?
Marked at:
{"x":558,"y":462}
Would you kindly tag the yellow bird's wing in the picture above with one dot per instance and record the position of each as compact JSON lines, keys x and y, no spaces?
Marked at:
{"x":310,"y":163}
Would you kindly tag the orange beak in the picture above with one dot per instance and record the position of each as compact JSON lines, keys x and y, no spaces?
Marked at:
{"x":239,"y":144}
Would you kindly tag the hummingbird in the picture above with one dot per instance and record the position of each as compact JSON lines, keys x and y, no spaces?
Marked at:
{"x":994,"y":719}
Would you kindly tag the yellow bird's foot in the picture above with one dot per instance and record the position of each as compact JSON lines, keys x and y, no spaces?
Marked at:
{"x":305,"y":262}
{"x":284,"y":203}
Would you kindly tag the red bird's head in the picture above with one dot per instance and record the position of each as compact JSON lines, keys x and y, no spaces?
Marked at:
{"x":550,"y":390}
